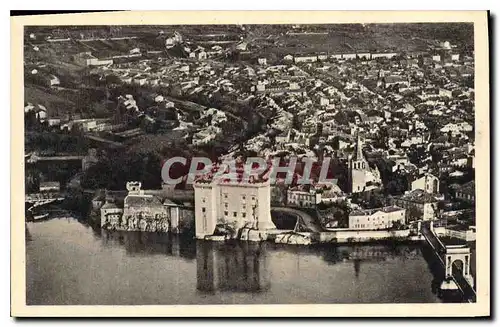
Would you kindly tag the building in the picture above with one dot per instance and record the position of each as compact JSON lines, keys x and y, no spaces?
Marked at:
{"x":396,"y":80}
{"x":466,"y":192}
{"x":87,"y":59}
{"x":90,"y":159}
{"x":361,"y":176}
{"x":111,"y":215}
{"x":141,"y":212}
{"x":456,"y":128}
{"x":349,"y":56}
{"x":384,"y":55}
{"x":304,"y":199}
{"x":445,"y":93}
{"x":300,"y":58}
{"x":229,"y":202}
{"x":436,"y":57}
{"x":262,"y":61}
{"x":427,"y":182}
{"x":173,"y":40}
{"x":181,"y":216}
{"x":54,"y":80}
{"x":419,"y":205}
{"x":380,"y":218}
{"x":50,"y":186}
{"x":364,"y":55}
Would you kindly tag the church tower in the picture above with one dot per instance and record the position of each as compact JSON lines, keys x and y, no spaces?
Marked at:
{"x":358,"y":166}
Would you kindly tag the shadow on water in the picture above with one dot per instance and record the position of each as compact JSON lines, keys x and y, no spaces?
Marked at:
{"x":148,"y":243}
{"x":238,"y":267}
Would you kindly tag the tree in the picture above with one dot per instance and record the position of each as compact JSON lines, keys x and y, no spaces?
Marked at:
{"x":397,"y":225}
{"x":413,"y":214}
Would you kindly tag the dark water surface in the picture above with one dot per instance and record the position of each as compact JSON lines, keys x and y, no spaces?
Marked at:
{"x":70,"y":263}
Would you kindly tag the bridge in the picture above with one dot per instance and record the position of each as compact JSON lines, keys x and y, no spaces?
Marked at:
{"x":304,"y":223}
{"x":40,"y":199}
{"x":454,"y":256}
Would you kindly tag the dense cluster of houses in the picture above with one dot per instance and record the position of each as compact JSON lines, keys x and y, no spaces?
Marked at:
{"x":413,"y":112}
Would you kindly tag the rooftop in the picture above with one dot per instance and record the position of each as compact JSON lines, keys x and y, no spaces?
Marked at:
{"x":142,"y":201}
{"x":468,"y":188}
{"x":369,"y":212}
{"x":418,"y":196}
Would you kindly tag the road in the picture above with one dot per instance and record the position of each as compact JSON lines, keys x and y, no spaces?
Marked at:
{"x":309,"y":221}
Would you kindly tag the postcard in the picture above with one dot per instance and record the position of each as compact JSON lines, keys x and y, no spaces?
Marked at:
{"x":249,"y":164}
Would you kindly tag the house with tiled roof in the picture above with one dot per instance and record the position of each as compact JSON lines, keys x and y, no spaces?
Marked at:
{"x":466,"y":192}
{"x":419,"y":204}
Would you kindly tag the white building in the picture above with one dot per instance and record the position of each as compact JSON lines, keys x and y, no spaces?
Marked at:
{"x":111,"y":214}
{"x":361,"y":177}
{"x":262,"y":61}
{"x":384,"y":55}
{"x":364,"y":55}
{"x":428,"y":182}
{"x":50,"y":186}
{"x":54,"y":80}
{"x":306,"y":58}
{"x":303,"y":199}
{"x":445,"y":93}
{"x":381,"y":218}
{"x":236,"y":203}
{"x":349,"y":56}
{"x":419,"y":205}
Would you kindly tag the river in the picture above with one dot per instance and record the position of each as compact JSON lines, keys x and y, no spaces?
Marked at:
{"x":70,"y":263}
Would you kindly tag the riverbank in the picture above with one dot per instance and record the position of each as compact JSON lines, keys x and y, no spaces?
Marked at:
{"x":341,"y":236}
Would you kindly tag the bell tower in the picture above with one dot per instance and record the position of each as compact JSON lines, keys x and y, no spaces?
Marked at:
{"x":357,"y":168}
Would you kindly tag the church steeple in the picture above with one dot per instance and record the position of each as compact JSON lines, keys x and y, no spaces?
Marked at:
{"x":359,"y":149}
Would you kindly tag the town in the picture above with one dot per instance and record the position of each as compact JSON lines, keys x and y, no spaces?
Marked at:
{"x":106,"y":107}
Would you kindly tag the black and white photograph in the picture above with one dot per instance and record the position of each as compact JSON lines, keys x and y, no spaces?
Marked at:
{"x":253,"y":163}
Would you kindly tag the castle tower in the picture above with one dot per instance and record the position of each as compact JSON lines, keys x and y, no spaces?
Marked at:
{"x":134,"y":188}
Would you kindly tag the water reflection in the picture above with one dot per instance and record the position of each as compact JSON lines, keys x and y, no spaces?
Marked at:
{"x":158,"y":268}
{"x":147,"y":243}
{"x":241,"y":267}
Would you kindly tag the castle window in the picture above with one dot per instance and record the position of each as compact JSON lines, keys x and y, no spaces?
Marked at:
{"x":243,"y":214}
{"x":225,"y":195}
{"x":225,"y":204}
{"x":203,"y":200}
{"x":235,"y":214}
{"x":225,"y":213}
{"x":203,"y":209}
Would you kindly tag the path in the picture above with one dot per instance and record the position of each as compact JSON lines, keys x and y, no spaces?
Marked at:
{"x":309,"y":221}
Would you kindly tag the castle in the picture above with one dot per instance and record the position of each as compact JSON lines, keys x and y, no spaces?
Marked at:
{"x":142,"y":212}
{"x":236,"y":203}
